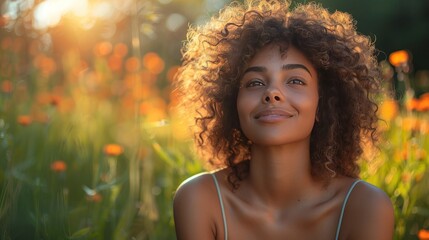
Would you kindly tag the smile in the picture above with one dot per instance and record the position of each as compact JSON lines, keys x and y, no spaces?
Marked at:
{"x":273,"y":115}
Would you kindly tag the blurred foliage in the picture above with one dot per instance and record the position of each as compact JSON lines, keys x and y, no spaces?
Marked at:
{"x":90,"y":147}
{"x":87,"y":152}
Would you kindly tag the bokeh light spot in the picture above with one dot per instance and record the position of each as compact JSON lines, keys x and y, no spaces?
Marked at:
{"x":120,"y":50}
{"x":132,"y":64}
{"x":103,"y":10}
{"x":175,"y":21}
{"x":153,"y":63}
{"x":103,"y":49}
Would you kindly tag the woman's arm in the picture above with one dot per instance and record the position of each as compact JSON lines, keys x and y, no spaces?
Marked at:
{"x":193,"y":209}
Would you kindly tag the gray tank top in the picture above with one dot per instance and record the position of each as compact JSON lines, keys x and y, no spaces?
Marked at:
{"x":225,"y":226}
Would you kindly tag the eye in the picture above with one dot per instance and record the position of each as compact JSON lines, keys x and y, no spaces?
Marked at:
{"x":296,"y":81}
{"x":255,"y":83}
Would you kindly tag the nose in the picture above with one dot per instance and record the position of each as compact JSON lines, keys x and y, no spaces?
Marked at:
{"x":272,"y":95}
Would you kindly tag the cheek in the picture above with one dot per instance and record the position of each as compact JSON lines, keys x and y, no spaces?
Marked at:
{"x":310,"y":101}
{"x":312,"y":106}
{"x":245,"y":103}
{"x":241,"y":108}
{"x":305,"y":102}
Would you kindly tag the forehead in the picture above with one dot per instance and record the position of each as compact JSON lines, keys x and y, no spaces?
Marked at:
{"x":280,"y":54}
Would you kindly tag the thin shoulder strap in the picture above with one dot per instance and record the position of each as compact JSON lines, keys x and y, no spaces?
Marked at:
{"x":225,"y":227}
{"x":344,"y":207}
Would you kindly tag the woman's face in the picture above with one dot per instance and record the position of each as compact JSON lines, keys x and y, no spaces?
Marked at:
{"x":278,"y":97}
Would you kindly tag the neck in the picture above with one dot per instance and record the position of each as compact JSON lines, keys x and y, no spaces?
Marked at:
{"x":281,"y":175}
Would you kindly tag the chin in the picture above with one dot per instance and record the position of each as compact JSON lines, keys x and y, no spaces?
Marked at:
{"x":280,"y":141}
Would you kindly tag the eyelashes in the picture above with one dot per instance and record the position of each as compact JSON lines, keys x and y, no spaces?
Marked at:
{"x":256,"y":82}
{"x":296,"y":81}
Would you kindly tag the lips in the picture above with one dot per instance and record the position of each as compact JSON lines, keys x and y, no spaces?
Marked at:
{"x":273,"y":114}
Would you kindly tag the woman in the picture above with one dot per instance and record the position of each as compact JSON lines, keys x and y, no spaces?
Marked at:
{"x":284,"y":105}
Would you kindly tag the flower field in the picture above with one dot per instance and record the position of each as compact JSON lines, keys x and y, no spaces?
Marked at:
{"x":93,"y":153}
{"x":91,"y":146}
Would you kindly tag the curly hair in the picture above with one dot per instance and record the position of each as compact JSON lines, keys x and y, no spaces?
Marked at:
{"x":215,"y":55}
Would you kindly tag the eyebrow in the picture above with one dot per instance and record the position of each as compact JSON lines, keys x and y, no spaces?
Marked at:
{"x":295,"y":66}
{"x":256,"y":69}
{"x":284,"y":67}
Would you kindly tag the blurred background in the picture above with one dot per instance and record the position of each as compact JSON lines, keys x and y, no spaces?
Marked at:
{"x":90,"y":144}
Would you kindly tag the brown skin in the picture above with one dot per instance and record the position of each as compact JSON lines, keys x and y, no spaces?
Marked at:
{"x":280,"y":198}
{"x":368,"y":215}
{"x":278,"y":98}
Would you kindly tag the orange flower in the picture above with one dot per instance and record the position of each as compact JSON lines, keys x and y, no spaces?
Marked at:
{"x":103,"y":49}
{"x":424,"y":96}
{"x":388,"y":109}
{"x":24,"y":120}
{"x":120,"y":50}
{"x":145,"y":108}
{"x":55,"y":100}
{"x":421,"y":154}
{"x":94,"y":198}
{"x":423,"y":234}
{"x":412,"y":104}
{"x":58,"y":166}
{"x":404,"y":153}
{"x":410,"y":124}
{"x":405,"y":177}
{"x":6,"y":86}
{"x":46,"y":64}
{"x":153,"y":63}
{"x":132,"y":64}
{"x":398,"y":58}
{"x":115,"y":63}
{"x":423,"y":103}
{"x":113,"y":150}
{"x":418,"y":177}
{"x":154,"y":109}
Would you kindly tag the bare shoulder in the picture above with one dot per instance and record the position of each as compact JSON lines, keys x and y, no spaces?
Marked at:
{"x":372,"y":195}
{"x":194,"y":216}
{"x":371,"y":214}
{"x":197,"y":182}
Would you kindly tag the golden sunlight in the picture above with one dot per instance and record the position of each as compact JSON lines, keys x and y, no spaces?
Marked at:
{"x":50,"y":12}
